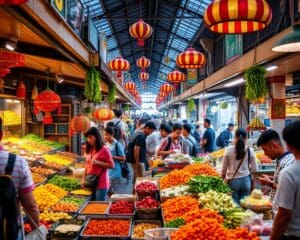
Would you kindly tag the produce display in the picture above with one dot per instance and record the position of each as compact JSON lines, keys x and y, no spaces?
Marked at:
{"x":216,"y":201}
{"x":41,"y":141}
{"x":258,"y":225}
{"x":175,"y":223}
{"x":54,"y":216}
{"x":147,"y":202}
{"x":28,"y":228}
{"x":75,"y":200}
{"x":233,"y":218}
{"x":58,"y":159}
{"x":178,"y":158}
{"x":177,"y":207}
{"x":201,"y":169}
{"x":202,"y":184}
{"x":66,"y":183}
{"x":218,"y":154}
{"x":43,"y":171}
{"x":121,"y":207}
{"x":146,"y":186}
{"x":262,"y":157}
{"x":256,"y":200}
{"x":10,"y":118}
{"x":53,"y":165}
{"x":81,"y":192}
{"x":202,"y":214}
{"x":180,"y":190}
{"x":256,"y":124}
{"x":174,"y":178}
{"x":108,"y":227}
{"x":38,"y":178}
{"x":139,"y":229}
{"x":47,"y":195}
{"x":95,"y":208}
{"x":65,"y":207}
{"x":64,"y":228}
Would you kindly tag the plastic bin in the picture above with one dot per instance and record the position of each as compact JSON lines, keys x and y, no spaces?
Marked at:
{"x":159,"y":233}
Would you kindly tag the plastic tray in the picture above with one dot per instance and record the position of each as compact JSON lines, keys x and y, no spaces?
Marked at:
{"x":68,"y":235}
{"x":125,"y":215}
{"x":107,"y":237}
{"x":79,"y":207}
{"x":143,"y":221}
{"x":162,"y":233}
{"x":94,"y":214}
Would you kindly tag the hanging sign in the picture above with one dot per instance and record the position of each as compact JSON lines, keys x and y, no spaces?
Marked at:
{"x":278,"y":109}
{"x":233,"y":46}
{"x":59,"y":6}
{"x":192,"y":77}
{"x":103,"y":47}
{"x":74,"y":15}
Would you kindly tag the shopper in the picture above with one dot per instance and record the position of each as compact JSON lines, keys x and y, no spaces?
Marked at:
{"x":238,"y":164}
{"x":120,"y":124}
{"x":190,"y":145}
{"x":225,"y":137}
{"x":118,"y":155}
{"x":154,"y":140}
{"x":287,"y":220}
{"x":173,"y":143}
{"x":22,"y":179}
{"x":208,"y":140}
{"x":270,"y":142}
{"x":136,"y":152}
{"x":98,"y":160}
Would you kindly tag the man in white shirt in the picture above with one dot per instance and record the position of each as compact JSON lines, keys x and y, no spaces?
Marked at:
{"x":287,"y":220}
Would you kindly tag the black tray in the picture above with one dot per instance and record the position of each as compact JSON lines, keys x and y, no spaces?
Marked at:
{"x":68,"y":235}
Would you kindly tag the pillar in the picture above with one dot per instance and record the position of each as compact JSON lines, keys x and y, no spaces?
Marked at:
{"x":243,"y":109}
{"x":277,"y":103}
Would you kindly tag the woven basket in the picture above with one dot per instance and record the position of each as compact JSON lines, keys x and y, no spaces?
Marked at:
{"x":147,"y":213}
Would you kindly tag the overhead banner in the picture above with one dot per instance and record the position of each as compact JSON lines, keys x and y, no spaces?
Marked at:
{"x":59,"y":6}
{"x":233,"y":47}
{"x":103,"y":47}
{"x":192,"y":77}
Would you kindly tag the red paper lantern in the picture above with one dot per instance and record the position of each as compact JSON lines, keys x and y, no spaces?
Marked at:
{"x":119,"y":64}
{"x":143,"y":62}
{"x":141,"y":31}
{"x":9,"y":60}
{"x":12,"y":2}
{"x":102,"y":114}
{"x":47,"y":101}
{"x":163,"y":94}
{"x":130,"y":86}
{"x":176,"y":77}
{"x":190,"y":59}
{"x":79,"y":124}
{"x":167,"y":88}
{"x":21,"y":90}
{"x":144,"y":76}
{"x":232,"y":16}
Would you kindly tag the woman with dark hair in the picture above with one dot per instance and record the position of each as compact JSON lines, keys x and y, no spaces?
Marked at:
{"x":118,"y":154}
{"x":98,"y":160}
{"x":238,"y":164}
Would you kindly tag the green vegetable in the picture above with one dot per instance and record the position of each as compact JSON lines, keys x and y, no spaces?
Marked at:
{"x":74,"y":200}
{"x":191,"y":105}
{"x":66,"y":183}
{"x":88,"y":110}
{"x":175,"y":223}
{"x":202,"y":184}
{"x":92,"y":85}
{"x":235,"y":217}
{"x":111,"y":97}
{"x":38,"y":139}
{"x":256,"y":86}
{"x":199,"y":159}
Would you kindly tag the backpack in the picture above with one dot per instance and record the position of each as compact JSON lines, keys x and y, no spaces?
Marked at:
{"x":219,"y":140}
{"x":9,"y":211}
{"x":196,"y":149}
{"x":130,"y":151}
{"x":118,"y":131}
{"x":124,"y":165}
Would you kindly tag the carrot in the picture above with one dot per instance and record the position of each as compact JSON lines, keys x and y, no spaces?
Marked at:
{"x":95,"y":208}
{"x":202,"y":213}
{"x":200,"y":169}
{"x":108,"y":227}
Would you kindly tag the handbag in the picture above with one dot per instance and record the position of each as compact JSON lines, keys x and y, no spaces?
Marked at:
{"x":228,"y":181}
{"x":90,"y":181}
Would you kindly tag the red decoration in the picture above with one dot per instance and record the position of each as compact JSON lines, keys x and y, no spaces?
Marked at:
{"x":9,"y":60}
{"x":103,"y":114}
{"x":130,"y":86}
{"x":190,"y":59}
{"x":162,"y":94}
{"x":12,"y":2}
{"x":143,"y":63}
{"x":231,"y":16}
{"x":79,"y":124}
{"x":119,"y":64}
{"x":47,"y":101}
{"x":167,"y":88}
{"x":141,"y":31}
{"x":176,"y":77}
{"x":21,"y":90}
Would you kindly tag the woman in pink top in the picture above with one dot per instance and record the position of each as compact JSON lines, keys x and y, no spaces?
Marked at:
{"x":98,"y":160}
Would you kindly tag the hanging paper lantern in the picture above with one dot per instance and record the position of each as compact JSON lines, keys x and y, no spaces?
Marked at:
{"x":143,"y":63}
{"x":79,"y":124}
{"x":101,"y":114}
{"x":167,"y":88}
{"x":21,"y":90}
{"x":232,"y":16}
{"x":35,"y":92}
{"x":144,"y":76}
{"x":141,"y":31}
{"x":130,"y":86}
{"x":9,"y":60}
{"x":190,"y":59}
{"x":162,"y":94}
{"x":12,"y":2}
{"x":119,"y":64}
{"x":47,"y":101}
{"x":176,"y":77}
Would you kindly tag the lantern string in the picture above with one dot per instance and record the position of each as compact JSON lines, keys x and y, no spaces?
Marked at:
{"x":255,"y":47}
{"x":140,"y":8}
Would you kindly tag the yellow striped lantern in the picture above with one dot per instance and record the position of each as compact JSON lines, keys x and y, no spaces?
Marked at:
{"x":130,"y":86}
{"x":237,"y":16}
{"x":141,"y":31}
{"x":162,"y":94}
{"x":144,"y":76}
{"x":143,"y":63}
{"x":190,"y":59}
{"x":119,"y":64}
{"x":166,"y":88}
{"x":176,"y":77}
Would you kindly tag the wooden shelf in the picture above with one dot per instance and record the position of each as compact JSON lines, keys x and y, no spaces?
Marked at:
{"x":60,"y":115}
{"x":58,"y":134}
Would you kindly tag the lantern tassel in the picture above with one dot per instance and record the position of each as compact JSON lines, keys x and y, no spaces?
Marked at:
{"x":140,"y":42}
{"x":48,"y":119}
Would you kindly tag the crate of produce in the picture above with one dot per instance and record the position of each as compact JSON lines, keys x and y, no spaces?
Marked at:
{"x":38,"y":179}
{"x":139,"y":227}
{"x":159,"y":233}
{"x":107,"y":228}
{"x":43,"y":171}
{"x":128,"y":197}
{"x":146,"y":187}
{"x":81,"y":192}
{"x":66,"y":229}
{"x":121,"y":208}
{"x":148,"y":208}
{"x":69,"y":204}
{"x":93,"y":208}
{"x":65,"y":182}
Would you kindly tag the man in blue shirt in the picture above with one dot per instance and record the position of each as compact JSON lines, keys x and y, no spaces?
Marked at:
{"x":208,"y":140}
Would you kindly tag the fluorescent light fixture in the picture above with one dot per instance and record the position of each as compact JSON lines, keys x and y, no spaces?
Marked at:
{"x":234,"y":82}
{"x":271,"y":68}
{"x":290,"y":42}
{"x":11,"y":43}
